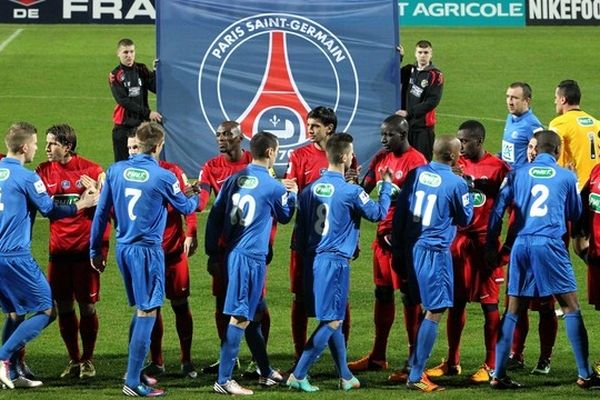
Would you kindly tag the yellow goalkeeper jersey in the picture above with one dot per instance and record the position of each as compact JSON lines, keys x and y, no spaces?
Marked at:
{"x":578,"y":133}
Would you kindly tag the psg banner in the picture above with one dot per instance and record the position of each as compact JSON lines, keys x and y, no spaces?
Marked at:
{"x":266,"y":64}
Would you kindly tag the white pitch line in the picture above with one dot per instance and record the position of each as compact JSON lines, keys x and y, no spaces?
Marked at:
{"x":469,"y":117}
{"x":10,"y":39}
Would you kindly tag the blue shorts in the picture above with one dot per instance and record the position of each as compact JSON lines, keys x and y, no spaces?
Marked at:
{"x":331,"y":283}
{"x":435,"y":277}
{"x":540,"y":266}
{"x":245,"y":286}
{"x":23,"y":286}
{"x":143,"y":271}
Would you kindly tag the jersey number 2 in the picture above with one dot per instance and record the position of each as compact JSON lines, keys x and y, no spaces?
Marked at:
{"x":538,"y":208}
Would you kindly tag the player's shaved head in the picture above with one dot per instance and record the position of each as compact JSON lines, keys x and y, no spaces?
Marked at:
{"x":149,"y":135}
{"x":19,"y":134}
{"x":230,"y":126}
{"x":548,"y":142}
{"x":446,"y":149}
{"x":395,"y":124}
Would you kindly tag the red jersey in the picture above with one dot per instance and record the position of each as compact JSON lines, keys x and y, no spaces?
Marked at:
{"x":307,"y":163}
{"x":487,"y":174}
{"x":70,"y":235}
{"x":400,"y":166}
{"x":216,"y":171}
{"x":174,"y":237}
{"x":591,"y":205}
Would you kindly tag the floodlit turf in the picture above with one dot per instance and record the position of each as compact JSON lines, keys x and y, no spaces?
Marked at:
{"x":55,"y":74}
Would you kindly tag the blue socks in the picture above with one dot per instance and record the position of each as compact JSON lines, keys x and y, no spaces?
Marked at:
{"x":578,"y":337}
{"x":505,"y":338}
{"x":23,"y":333}
{"x":256,"y":343}
{"x":139,"y":344}
{"x":337,"y":346}
{"x":313,"y":349}
{"x":428,"y":332}
{"x":229,"y":352}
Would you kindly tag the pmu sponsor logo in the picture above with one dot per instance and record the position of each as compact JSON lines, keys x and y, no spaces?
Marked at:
{"x":563,"y":12}
{"x":585,"y":121}
{"x":65,"y":199}
{"x":247,"y":182}
{"x":430,"y":179}
{"x":324,"y":190}
{"x":4,"y":174}
{"x":267,"y":71}
{"x":595,"y":202}
{"x":113,"y":9}
{"x":136,"y":175}
{"x":542,"y":172}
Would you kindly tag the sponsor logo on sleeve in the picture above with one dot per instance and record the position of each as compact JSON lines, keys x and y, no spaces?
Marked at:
{"x":39,"y":186}
{"x":364,"y":197}
{"x":466,"y":199}
{"x":176,"y":188}
{"x":4,"y":174}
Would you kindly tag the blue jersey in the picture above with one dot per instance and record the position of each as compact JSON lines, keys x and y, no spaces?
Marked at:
{"x":22,"y":192}
{"x":329,"y":213}
{"x":139,"y":189}
{"x":517,"y":133}
{"x":242,"y":214}
{"x":431,"y":203}
{"x":544,"y":197}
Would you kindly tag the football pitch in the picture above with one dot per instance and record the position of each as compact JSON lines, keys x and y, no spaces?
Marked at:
{"x":57,"y":73}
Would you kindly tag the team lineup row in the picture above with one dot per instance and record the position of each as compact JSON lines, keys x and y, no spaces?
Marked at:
{"x":72,"y":180}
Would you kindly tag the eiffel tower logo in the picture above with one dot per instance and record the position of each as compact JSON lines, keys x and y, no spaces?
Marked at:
{"x":277,"y":91}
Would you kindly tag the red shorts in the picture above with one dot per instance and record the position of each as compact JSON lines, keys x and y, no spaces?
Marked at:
{"x":542,"y":303}
{"x":296,"y":274}
{"x":472,"y":280}
{"x":593,"y":284}
{"x":383,"y":274}
{"x":177,"y":276}
{"x":73,"y":277}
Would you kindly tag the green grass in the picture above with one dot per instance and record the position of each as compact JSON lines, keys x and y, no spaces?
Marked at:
{"x":53,"y":74}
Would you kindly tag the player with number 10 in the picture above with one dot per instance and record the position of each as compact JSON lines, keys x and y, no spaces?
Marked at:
{"x":240,"y":221}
